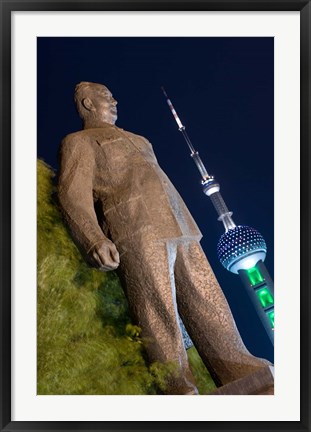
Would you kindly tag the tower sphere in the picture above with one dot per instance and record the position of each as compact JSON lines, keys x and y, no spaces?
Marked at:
{"x":240,"y":248}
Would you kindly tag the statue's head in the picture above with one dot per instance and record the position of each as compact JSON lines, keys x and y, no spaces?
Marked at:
{"x":95,"y":104}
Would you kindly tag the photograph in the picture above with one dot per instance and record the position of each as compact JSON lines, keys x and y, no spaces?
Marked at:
{"x":155,"y":215}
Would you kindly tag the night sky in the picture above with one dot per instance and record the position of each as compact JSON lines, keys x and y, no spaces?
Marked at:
{"x":222,"y":89}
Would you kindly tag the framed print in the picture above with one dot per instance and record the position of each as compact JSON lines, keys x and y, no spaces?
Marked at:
{"x":233,"y":78}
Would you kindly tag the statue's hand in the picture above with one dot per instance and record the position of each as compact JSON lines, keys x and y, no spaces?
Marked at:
{"x":105,"y":255}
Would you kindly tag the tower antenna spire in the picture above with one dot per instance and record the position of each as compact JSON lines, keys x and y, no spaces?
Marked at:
{"x":210,"y":186}
{"x":193,"y":153}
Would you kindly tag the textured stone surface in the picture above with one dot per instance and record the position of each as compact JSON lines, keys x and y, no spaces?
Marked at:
{"x":124,"y":213}
{"x":260,"y":382}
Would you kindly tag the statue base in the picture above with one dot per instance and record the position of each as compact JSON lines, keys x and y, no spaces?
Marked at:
{"x":260,"y":382}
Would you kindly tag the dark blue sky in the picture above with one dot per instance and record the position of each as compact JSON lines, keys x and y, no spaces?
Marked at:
{"x":223,"y":91}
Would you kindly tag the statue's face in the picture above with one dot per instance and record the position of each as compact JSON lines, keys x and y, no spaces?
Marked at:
{"x":104,"y":104}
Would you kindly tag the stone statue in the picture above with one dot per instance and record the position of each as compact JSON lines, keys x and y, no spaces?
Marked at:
{"x":125,"y":214}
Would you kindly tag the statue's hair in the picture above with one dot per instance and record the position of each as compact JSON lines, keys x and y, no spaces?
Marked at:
{"x":82,"y":90}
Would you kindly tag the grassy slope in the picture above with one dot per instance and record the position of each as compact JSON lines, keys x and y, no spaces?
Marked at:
{"x":86,"y":342}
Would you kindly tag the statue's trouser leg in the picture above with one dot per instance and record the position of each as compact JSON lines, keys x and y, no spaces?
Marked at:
{"x":208,"y":319}
{"x":147,"y":273}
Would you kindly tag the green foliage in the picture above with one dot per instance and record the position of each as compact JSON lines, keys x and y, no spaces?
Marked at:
{"x":203,"y":379}
{"x":86,"y":343}
{"x":160,"y":372}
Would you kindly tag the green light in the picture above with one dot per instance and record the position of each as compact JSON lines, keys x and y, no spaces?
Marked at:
{"x":265,"y":297}
{"x":254,"y":276}
{"x":271,"y":317}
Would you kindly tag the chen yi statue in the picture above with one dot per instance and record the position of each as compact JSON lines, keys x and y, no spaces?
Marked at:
{"x":125,"y":215}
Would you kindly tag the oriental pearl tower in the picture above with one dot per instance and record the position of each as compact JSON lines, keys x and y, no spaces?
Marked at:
{"x":241,"y":249}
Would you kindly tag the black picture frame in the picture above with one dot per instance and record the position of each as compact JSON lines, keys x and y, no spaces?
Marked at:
{"x":7,"y":7}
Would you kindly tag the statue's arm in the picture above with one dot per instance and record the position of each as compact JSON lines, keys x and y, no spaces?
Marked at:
{"x":75,"y":194}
